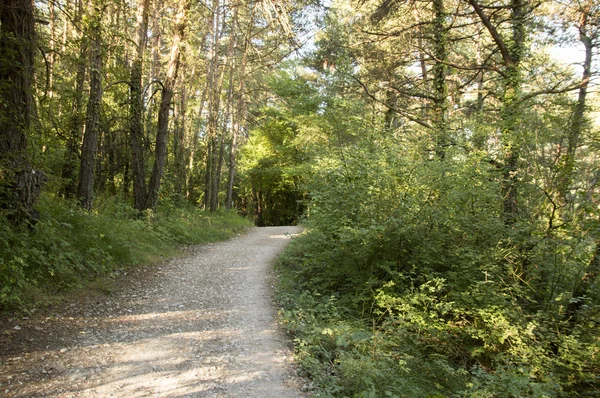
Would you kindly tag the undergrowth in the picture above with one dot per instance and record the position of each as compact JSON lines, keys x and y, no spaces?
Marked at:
{"x":350,"y":346}
{"x":409,"y":283}
{"x":70,"y":248}
{"x":344,"y":351}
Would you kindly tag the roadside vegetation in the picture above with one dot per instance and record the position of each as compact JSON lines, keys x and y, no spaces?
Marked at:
{"x":408,"y":284}
{"x":70,"y":249}
{"x":453,"y":229}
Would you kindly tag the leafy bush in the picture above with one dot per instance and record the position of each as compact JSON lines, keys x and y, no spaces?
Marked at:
{"x":409,"y":283}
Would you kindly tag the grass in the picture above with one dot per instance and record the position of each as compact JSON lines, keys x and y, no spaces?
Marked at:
{"x":72,"y":250}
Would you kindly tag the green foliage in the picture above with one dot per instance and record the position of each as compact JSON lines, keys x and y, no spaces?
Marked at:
{"x":453,"y":244}
{"x":270,"y":175}
{"x":408,"y":283}
{"x":345,"y":356}
{"x":69,"y":247}
{"x":273,"y":164}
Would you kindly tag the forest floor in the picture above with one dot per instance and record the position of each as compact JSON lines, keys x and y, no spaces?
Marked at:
{"x":198,"y":326}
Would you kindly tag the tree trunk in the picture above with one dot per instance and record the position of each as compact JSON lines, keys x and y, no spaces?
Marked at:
{"x":511,"y":112}
{"x":217,"y":179}
{"x":232,"y":67}
{"x":207,"y":174}
{"x":238,"y":113}
{"x":440,"y":102}
{"x":112,"y":162}
{"x":85,"y":188}
{"x":214,"y":161}
{"x":584,"y":286}
{"x":214,"y":93}
{"x":193,"y":145}
{"x":180,"y":146}
{"x":510,"y":109}
{"x":99,"y":169}
{"x":19,"y":185}
{"x":136,"y":129}
{"x":217,"y":162}
{"x":76,"y":120}
{"x":232,"y":165}
{"x":52,"y":48}
{"x":165,"y":105}
{"x":479,"y":60}
{"x":191,"y":141}
{"x":422,"y":62}
{"x":578,"y":118}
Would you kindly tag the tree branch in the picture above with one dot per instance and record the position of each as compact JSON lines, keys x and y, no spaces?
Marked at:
{"x":398,"y":111}
{"x":492,"y":29}
{"x":553,"y":90}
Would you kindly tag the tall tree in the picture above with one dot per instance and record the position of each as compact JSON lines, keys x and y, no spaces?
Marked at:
{"x":440,"y":101}
{"x":165,"y":104}
{"x":76,"y":119}
{"x":587,"y":22}
{"x":238,"y":112}
{"x":213,"y":96}
{"x":584,"y":15}
{"x":85,"y":189}
{"x":136,"y":129}
{"x":19,"y":185}
{"x":228,"y":64}
{"x":512,"y":50}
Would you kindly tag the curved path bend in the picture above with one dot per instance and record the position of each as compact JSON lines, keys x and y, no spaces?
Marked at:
{"x":199,"y":326}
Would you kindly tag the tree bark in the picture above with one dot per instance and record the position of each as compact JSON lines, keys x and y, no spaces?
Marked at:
{"x":213,"y":108}
{"x":136,"y":129}
{"x":440,"y":102}
{"x":180,"y":147}
{"x":229,"y":60}
{"x":588,"y":38}
{"x":578,"y":118}
{"x":112,"y":162}
{"x":479,"y":107}
{"x":190,"y":188}
{"x":232,"y":164}
{"x":85,"y":188}
{"x":192,"y":135}
{"x":511,"y":112}
{"x":19,"y":185}
{"x":510,"y":109}
{"x":52,"y":48}
{"x":238,"y":112}
{"x":76,"y":119}
{"x":165,"y":105}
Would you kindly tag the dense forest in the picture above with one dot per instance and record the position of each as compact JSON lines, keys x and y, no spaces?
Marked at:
{"x":121,"y":124}
{"x":443,"y":155}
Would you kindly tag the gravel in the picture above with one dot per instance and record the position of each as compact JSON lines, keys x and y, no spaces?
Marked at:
{"x":199,"y":326}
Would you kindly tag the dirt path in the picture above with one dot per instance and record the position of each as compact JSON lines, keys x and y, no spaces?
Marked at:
{"x":201,"y":326}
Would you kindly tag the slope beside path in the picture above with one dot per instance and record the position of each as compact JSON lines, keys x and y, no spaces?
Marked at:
{"x":199,"y":326}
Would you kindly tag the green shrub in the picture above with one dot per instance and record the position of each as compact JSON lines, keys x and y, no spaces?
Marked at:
{"x":408,"y":283}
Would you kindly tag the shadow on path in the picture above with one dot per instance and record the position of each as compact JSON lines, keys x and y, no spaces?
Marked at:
{"x":200,"y":326}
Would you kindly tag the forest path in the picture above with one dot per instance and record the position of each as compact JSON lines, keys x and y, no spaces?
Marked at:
{"x":199,"y":326}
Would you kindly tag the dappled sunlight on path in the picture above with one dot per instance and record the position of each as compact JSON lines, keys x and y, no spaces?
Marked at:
{"x":203,"y":328}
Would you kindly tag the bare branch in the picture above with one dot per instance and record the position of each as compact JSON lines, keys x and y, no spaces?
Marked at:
{"x":393,"y":109}
{"x":492,"y":29}
{"x":554,"y":90}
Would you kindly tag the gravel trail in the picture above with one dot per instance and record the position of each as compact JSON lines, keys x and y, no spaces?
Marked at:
{"x":199,"y":326}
